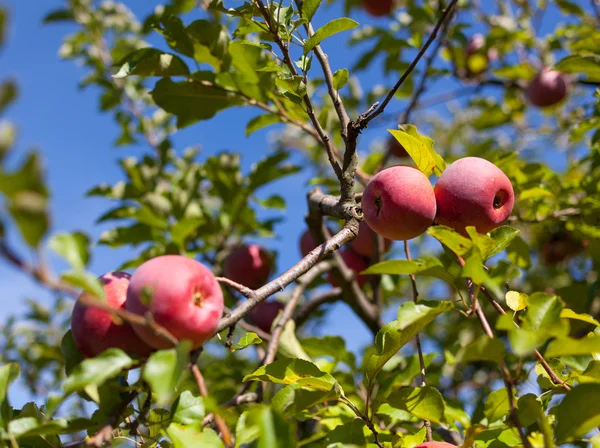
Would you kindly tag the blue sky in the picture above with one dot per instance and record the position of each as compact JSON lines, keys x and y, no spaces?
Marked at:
{"x":75,"y":141}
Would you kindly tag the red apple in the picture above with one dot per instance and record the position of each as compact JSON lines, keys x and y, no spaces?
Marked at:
{"x":548,"y":88}
{"x":378,"y":8}
{"x":398,"y":203}
{"x":396,"y":149}
{"x":364,"y":244}
{"x":307,"y":242}
{"x":263,"y":314}
{"x":95,"y":330}
{"x":473,"y":192}
{"x":356,"y":263}
{"x":248,"y":265}
{"x":435,"y":445}
{"x":182,"y":295}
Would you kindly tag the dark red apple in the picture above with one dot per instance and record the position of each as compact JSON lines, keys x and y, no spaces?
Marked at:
{"x":364,"y":242}
{"x":95,"y":330}
{"x":307,"y":242}
{"x":396,"y":149}
{"x":356,"y":263}
{"x":548,"y":88}
{"x":182,"y":295}
{"x":263,"y":314}
{"x":378,"y":8}
{"x":249,"y":265}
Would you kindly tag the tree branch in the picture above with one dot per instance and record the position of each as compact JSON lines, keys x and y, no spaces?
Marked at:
{"x":304,"y":312}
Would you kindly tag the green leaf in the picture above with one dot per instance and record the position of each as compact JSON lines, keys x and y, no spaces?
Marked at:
{"x":340,"y":79}
{"x":270,"y":429}
{"x":579,"y":412}
{"x":58,"y":15}
{"x":164,"y":369}
{"x":329,"y":346}
{"x":260,"y":122}
{"x":269,"y":170}
{"x":289,"y":345}
{"x":502,"y":237}
{"x":73,"y":247}
{"x":543,"y":310}
{"x":8,"y":93}
{"x":309,"y":8}
{"x":293,"y":398}
{"x":422,"y":402}
{"x":421,"y":149}
{"x":183,"y":229}
{"x":530,"y":409}
{"x":188,"y":409}
{"x":573,"y":347}
{"x":516,"y":300}
{"x":569,"y":7}
{"x":8,"y":373}
{"x":412,"y":318}
{"x":157,"y":420}
{"x":586,"y":64}
{"x":570,"y":314}
{"x":482,"y":349}
{"x":350,"y":434}
{"x":429,"y":267}
{"x":496,"y":405}
{"x":275,"y":201}
{"x":95,"y":371}
{"x":452,"y":239}
{"x":328,"y":30}
{"x":151,"y":62}
{"x":86,"y":281}
{"x":191,"y":101}
{"x":193,"y":435}
{"x":70,"y":352}
{"x":246,"y":341}
{"x":293,"y":371}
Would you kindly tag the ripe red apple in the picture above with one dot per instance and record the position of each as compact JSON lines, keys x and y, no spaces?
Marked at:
{"x":95,"y":330}
{"x":248,"y":265}
{"x":398,"y":203}
{"x":548,"y":88}
{"x":436,"y":445}
{"x":181,"y":294}
{"x":378,"y":8}
{"x":396,"y":149}
{"x":473,"y":192}
{"x":263,"y":314}
{"x":363,"y":244}
{"x":307,"y":242}
{"x":356,"y":263}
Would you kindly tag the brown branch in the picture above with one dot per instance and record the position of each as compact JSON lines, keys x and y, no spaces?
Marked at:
{"x":105,"y":434}
{"x":303,"y":313}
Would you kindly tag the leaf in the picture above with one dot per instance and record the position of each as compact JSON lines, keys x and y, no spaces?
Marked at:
{"x":260,"y":122}
{"x":330,"y":346}
{"x":340,"y":79}
{"x":502,"y":237}
{"x":496,"y":405}
{"x":289,"y":345}
{"x":412,"y":318}
{"x":422,"y":402}
{"x":269,"y":170}
{"x":164,"y":369}
{"x":579,"y":412}
{"x":292,"y":371}
{"x":151,"y":62}
{"x":246,"y":341}
{"x":157,"y":420}
{"x":429,"y":267}
{"x":73,"y":247}
{"x":516,"y":300}
{"x":274,"y":432}
{"x":58,"y":15}
{"x":71,"y":353}
{"x":452,"y":239}
{"x":188,"y":409}
{"x":193,"y":435}
{"x":309,"y":8}
{"x":349,"y":434}
{"x":8,"y":373}
{"x":569,"y":7}
{"x":586,"y":64}
{"x":420,"y":149}
{"x":482,"y":349}
{"x":293,"y":398}
{"x":86,"y":281}
{"x":570,"y":314}
{"x":275,"y":201}
{"x":543,"y":310}
{"x":8,"y":93}
{"x":95,"y":371}
{"x":530,"y":409}
{"x":191,"y":101}
{"x":183,"y":229}
{"x":328,"y":30}
{"x":573,"y":347}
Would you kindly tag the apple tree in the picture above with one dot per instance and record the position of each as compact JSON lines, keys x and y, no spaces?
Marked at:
{"x":485,"y":167}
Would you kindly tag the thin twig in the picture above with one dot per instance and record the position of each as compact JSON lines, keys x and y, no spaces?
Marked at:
{"x":304,"y":312}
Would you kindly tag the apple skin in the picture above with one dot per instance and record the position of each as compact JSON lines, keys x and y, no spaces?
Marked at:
{"x":363,"y":243}
{"x":263,"y":314}
{"x":548,"y":88}
{"x":396,"y":149}
{"x":249,"y":265}
{"x":184,"y":297}
{"x":95,"y":331}
{"x":378,"y":8}
{"x":356,"y":263}
{"x":307,"y":242}
{"x":473,"y":192}
{"x":436,"y":445}
{"x":398,"y":203}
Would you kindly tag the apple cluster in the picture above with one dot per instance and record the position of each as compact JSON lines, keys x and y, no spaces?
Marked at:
{"x":399,"y":203}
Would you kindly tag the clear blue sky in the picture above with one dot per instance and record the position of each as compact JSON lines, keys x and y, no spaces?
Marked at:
{"x":75,"y":141}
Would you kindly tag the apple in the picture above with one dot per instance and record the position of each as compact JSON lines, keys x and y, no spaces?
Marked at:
{"x":95,"y":330}
{"x":363,"y":244}
{"x":398,"y":203}
{"x":378,"y":8}
{"x":249,"y":265}
{"x":356,"y":263}
{"x":263,"y":314}
{"x":396,"y":149}
{"x":473,"y":192}
{"x":182,"y":295}
{"x":476,"y":57}
{"x":435,"y":445}
{"x":548,"y":88}
{"x":307,"y":242}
